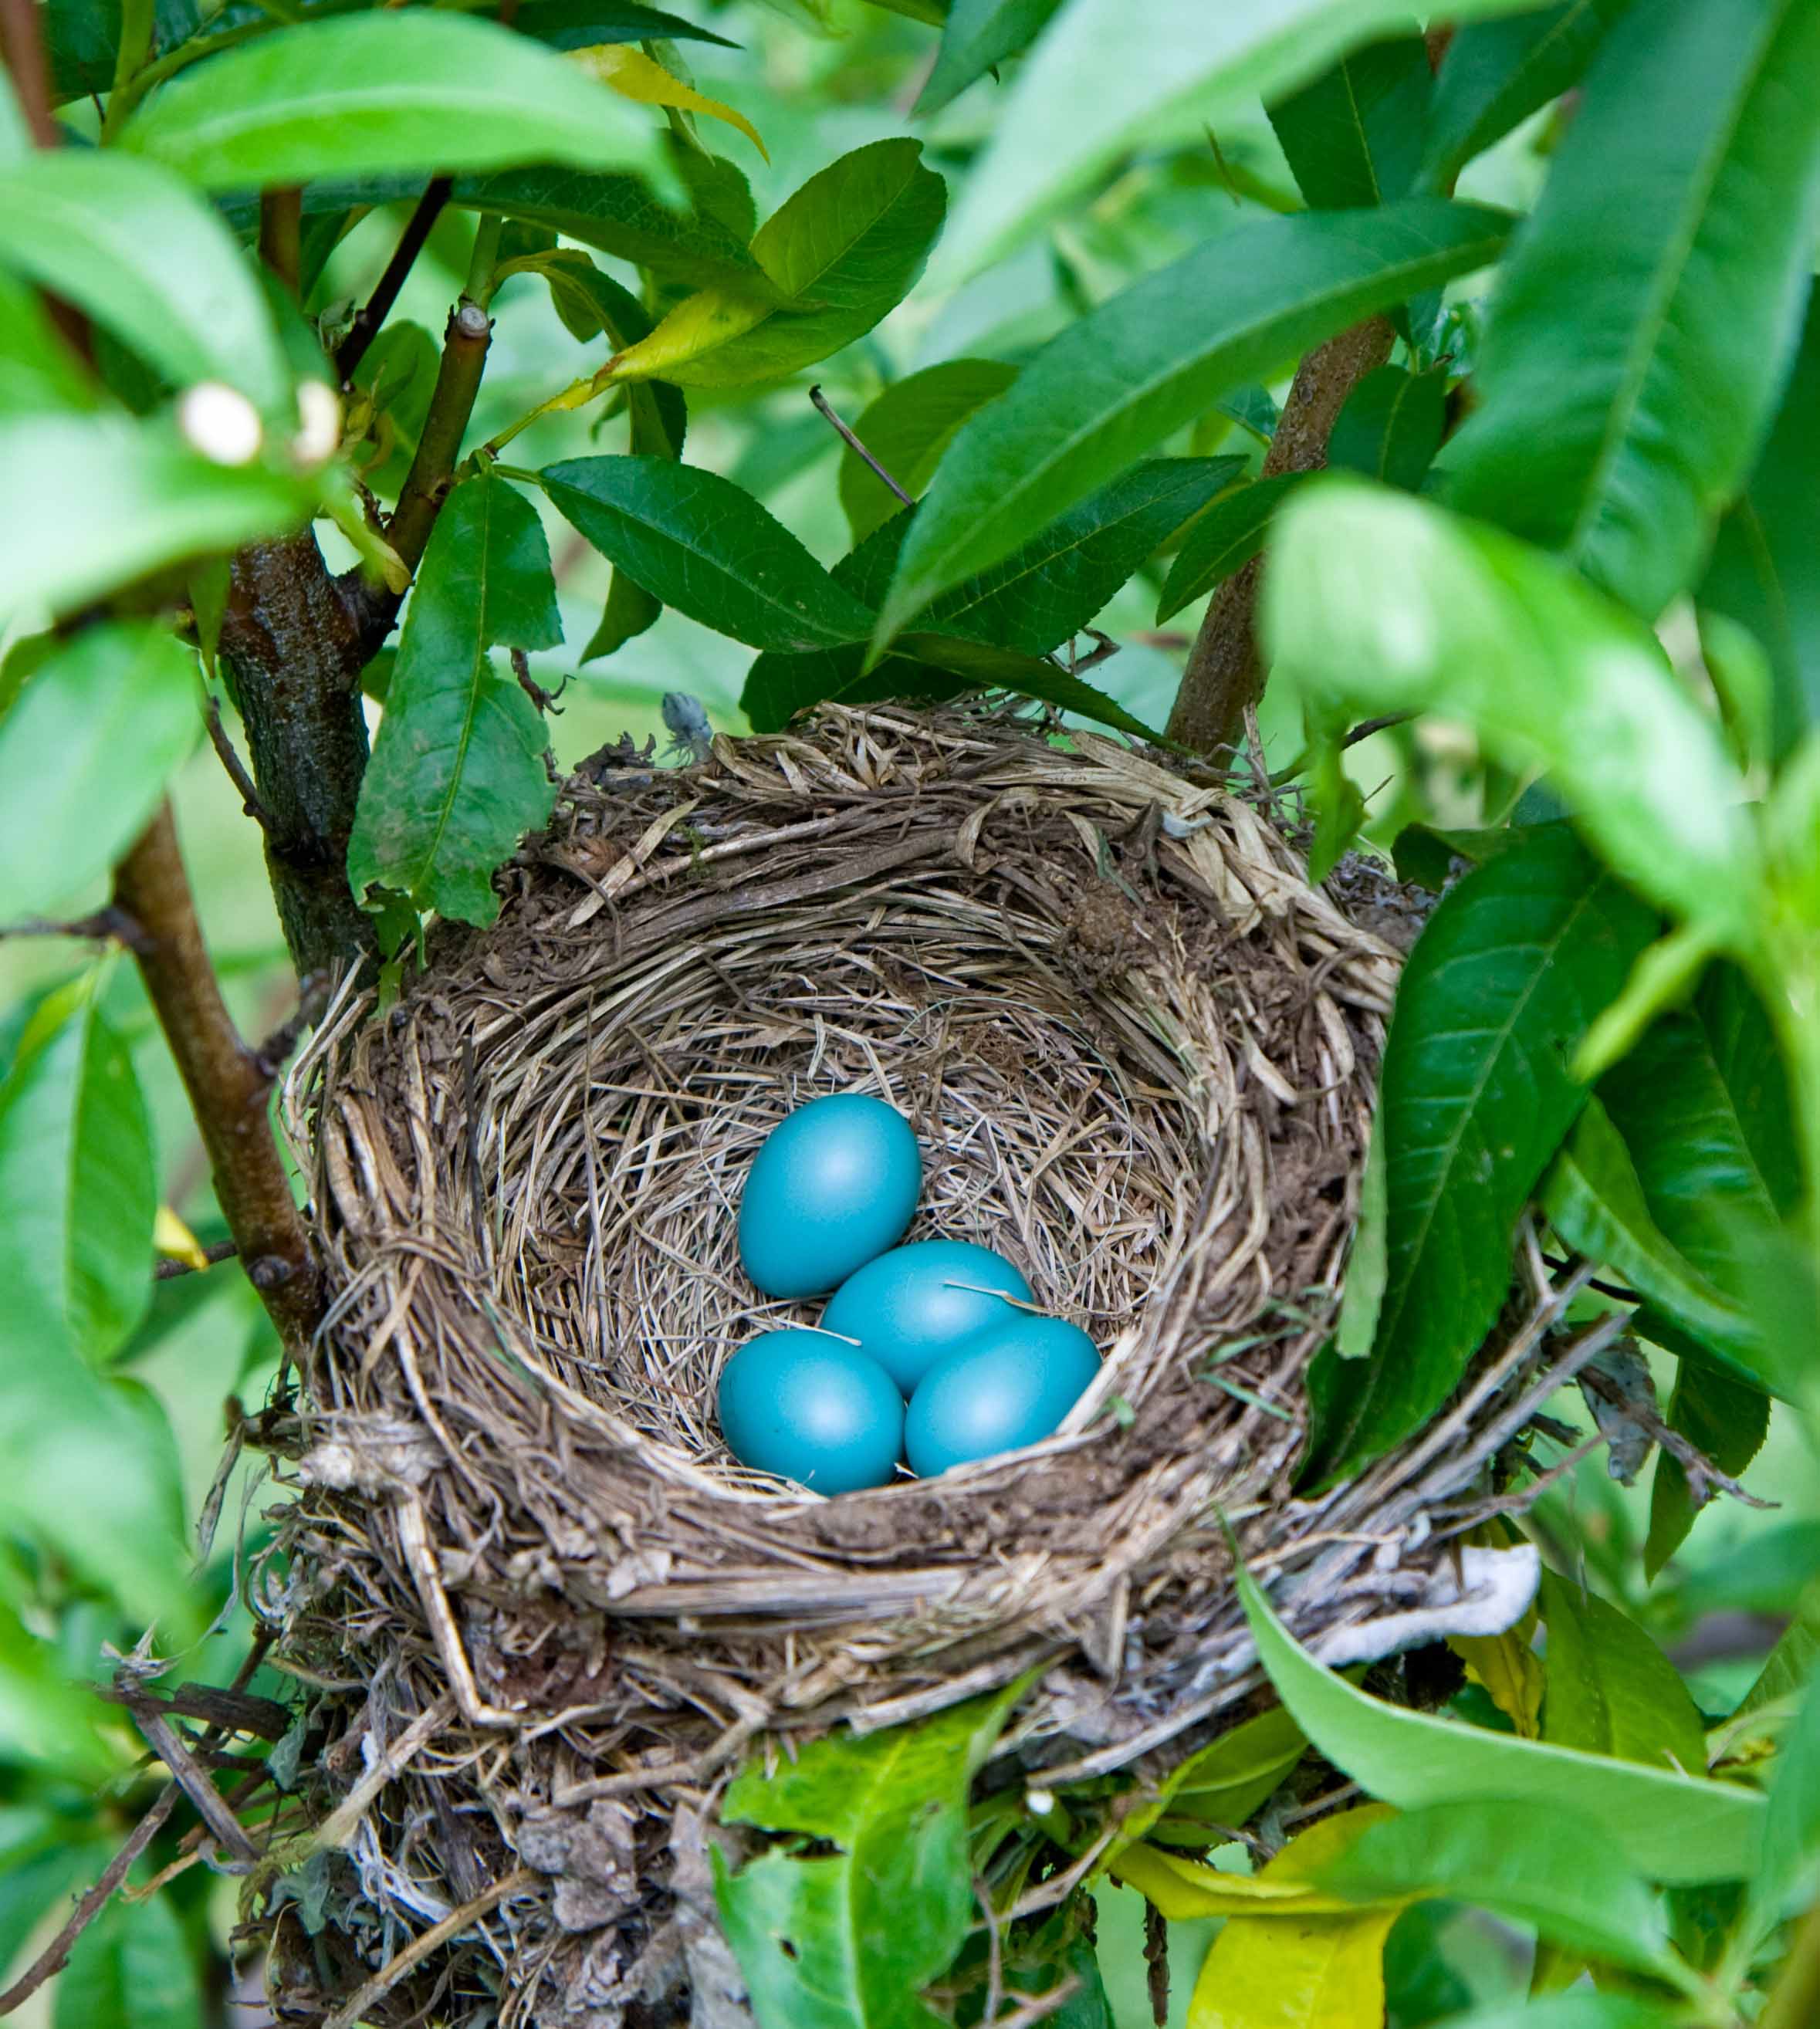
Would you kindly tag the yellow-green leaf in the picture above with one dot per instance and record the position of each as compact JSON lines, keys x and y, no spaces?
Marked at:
{"x":698,"y":325}
{"x":634,"y":76}
{"x":1510,"y":1671}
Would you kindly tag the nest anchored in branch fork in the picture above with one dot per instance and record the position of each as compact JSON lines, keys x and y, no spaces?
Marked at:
{"x":541,"y":1611}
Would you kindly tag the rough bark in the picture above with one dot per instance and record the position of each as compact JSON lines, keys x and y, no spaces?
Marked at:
{"x":1224,"y":674}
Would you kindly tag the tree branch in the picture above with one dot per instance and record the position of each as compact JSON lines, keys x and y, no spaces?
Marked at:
{"x":22,"y":42}
{"x":364,"y":328}
{"x":457,"y":381}
{"x":1224,"y":675}
{"x":227,"y":1090}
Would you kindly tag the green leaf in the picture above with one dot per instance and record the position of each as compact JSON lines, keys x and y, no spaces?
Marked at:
{"x":1725,"y":1420}
{"x":1224,"y":1784}
{"x":82,"y":39}
{"x":132,"y":1968}
{"x":1223,"y":539}
{"x":1581,"y":2009}
{"x":457,"y":776}
{"x":1352,"y":136}
{"x":1556,"y":1870}
{"x":1784,"y":1880}
{"x":1676,"y":220}
{"x":1764,"y":570}
{"x":1496,"y":73}
{"x":1669,"y":1827}
{"x":1368,"y":1263}
{"x":1595,"y":1201}
{"x":843,"y":251}
{"x":373,"y":92}
{"x":112,"y":497}
{"x":620,"y":216}
{"x":45,"y":1722}
{"x":1610,"y":1690}
{"x":907,"y":429}
{"x":695,"y":541}
{"x":85,"y":754}
{"x":38,"y":1875}
{"x":1475,"y":1096}
{"x":38,"y":370}
{"x":130,"y":244}
{"x":1155,"y":357}
{"x":984,"y":667}
{"x":629,"y":610}
{"x":78,"y":1178}
{"x":1391,"y":426}
{"x":592,"y":303}
{"x":585,"y":24}
{"x":1106,"y":72}
{"x":848,"y":1940}
{"x":1376,"y":602}
{"x":978,"y":35}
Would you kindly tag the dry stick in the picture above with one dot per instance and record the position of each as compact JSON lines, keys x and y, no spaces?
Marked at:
{"x":226,"y":1085}
{"x":364,"y":328}
{"x":211,"y":1807}
{"x":1224,"y":675}
{"x":858,"y":449}
{"x":420,"y":1948}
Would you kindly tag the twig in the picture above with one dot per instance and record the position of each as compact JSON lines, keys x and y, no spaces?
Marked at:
{"x":226,"y":1711}
{"x":544,"y":700}
{"x":338,"y":1827}
{"x":168,"y":1271}
{"x":858,"y":449}
{"x":420,"y":1947}
{"x":457,"y":381}
{"x":226,"y":1086}
{"x":111,"y":924}
{"x":1224,"y":676}
{"x":1693,"y":1462}
{"x":378,"y":307}
{"x":1367,"y":727}
{"x":165,"y":1740}
{"x":236,"y":768}
{"x":1156,"y":1964}
{"x":281,"y":233}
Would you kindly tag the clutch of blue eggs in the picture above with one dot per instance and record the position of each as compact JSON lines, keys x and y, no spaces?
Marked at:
{"x":931,"y":1353}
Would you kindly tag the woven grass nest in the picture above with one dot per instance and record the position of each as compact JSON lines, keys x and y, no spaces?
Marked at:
{"x":540,"y":1611}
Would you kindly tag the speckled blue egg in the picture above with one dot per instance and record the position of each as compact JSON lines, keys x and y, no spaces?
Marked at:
{"x":918,"y":1303}
{"x":808,"y":1408}
{"x":1006,"y":1389}
{"x":832,"y":1186}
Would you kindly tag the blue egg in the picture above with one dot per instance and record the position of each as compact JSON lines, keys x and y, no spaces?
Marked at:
{"x":809,"y":1408}
{"x":916,"y":1304}
{"x":832,"y":1185}
{"x":1006,"y":1388}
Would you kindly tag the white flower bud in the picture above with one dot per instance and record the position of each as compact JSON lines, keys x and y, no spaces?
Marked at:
{"x":319,"y":417}
{"x":220,"y":422}
{"x":1040,"y":1802}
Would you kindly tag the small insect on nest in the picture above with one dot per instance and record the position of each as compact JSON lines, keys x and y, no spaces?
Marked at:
{"x":542,"y":1611}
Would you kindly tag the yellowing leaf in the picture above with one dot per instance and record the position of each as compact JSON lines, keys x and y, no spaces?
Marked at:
{"x":633,"y":75}
{"x":1301,"y":1970}
{"x":1186,"y":1888}
{"x":174,"y":1239}
{"x":697,"y":324}
{"x":1509,"y":1671}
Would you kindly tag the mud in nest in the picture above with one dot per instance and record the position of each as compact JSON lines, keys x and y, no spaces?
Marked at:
{"x":542,"y":1610}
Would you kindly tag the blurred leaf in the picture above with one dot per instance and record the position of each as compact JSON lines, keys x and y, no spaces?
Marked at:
{"x":45,"y":1722}
{"x":1376,"y":602}
{"x":1669,"y":1827}
{"x":78,"y":1178}
{"x":1595,"y":1201}
{"x":1154,"y":356}
{"x":1510,"y":1671}
{"x":1785,"y":1882}
{"x":907,"y":429}
{"x":1426,"y":855}
{"x":82,"y":40}
{"x":1744,"y":686}
{"x":1531,"y":1863}
{"x":634,"y":76}
{"x":1610,"y":1690}
{"x":457,"y":776}
{"x":395,"y":90}
{"x":44,"y":1858}
{"x":133,"y":246}
{"x":1790,"y":1663}
{"x":1324,"y":1973}
{"x":1353,"y":135}
{"x":842,"y":251}
{"x":1367,"y":1265}
{"x":132,"y":1968}
{"x":1675,"y":220}
{"x":113,"y":498}
{"x":620,"y":215}
{"x":85,"y":754}
{"x":1224,"y":1784}
{"x":848,"y":1940}
{"x":1766,"y":1573}
{"x":38,"y":370}
{"x":398,"y":374}
{"x":1496,"y":73}
{"x":1764,"y":569}
{"x":1581,"y":2009}
{"x":1391,"y":426}
{"x":1474,"y":1098}
{"x":980,"y":34}
{"x":1223,"y":539}
{"x":584,"y":24}
{"x":1726,"y":1421}
{"x":695,"y":541}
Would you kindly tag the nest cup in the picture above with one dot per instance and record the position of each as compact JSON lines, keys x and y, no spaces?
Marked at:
{"x":524,"y":1577}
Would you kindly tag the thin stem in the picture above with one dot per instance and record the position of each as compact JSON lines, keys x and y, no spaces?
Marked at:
{"x":226,"y":1089}
{"x":281,"y":233}
{"x":574,"y":396}
{"x":458,"y":382}
{"x":484,"y":262}
{"x":235,"y":767}
{"x":858,"y":449}
{"x":136,"y":24}
{"x":365,"y":328}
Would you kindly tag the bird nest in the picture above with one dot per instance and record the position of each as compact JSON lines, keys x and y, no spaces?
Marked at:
{"x":539,"y":1610}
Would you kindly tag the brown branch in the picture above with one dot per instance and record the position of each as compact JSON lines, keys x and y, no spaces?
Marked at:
{"x":457,"y":381}
{"x":109,"y":926}
{"x":281,"y":233}
{"x":167,"y":1271}
{"x":378,"y":307}
{"x":211,"y":1807}
{"x":858,"y":449}
{"x":1224,"y":675}
{"x":226,"y":1089}
{"x":22,"y":42}
{"x":236,"y":768}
